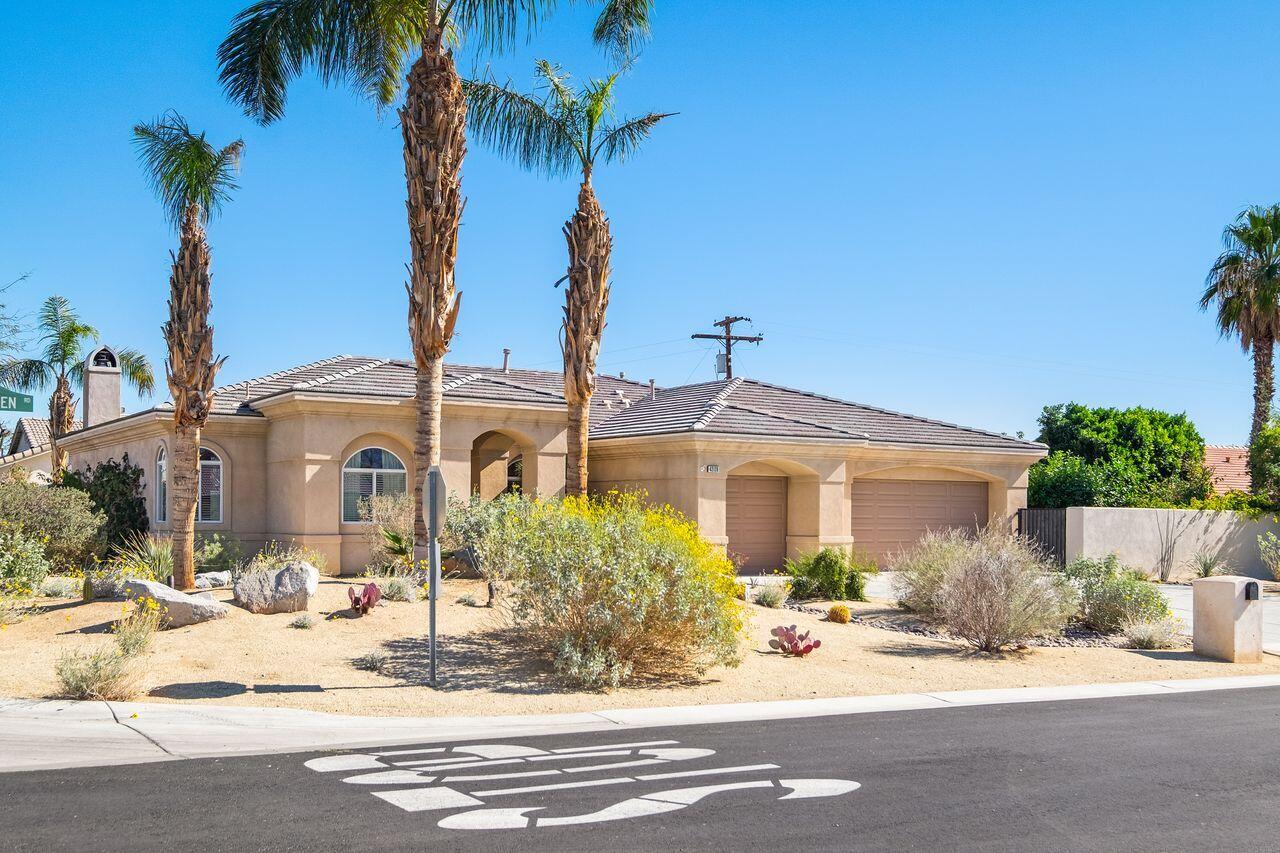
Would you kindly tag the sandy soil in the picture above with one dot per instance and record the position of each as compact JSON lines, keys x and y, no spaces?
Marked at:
{"x":259,"y":660}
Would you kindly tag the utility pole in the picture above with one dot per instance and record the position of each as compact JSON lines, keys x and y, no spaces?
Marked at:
{"x":728,"y":339}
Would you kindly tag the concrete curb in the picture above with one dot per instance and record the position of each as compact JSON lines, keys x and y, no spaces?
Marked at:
{"x":56,"y":735}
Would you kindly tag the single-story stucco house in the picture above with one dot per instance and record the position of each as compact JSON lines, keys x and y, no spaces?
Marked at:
{"x":767,"y":471}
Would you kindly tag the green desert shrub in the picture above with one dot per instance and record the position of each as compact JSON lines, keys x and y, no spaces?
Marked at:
{"x":375,"y":661}
{"x":61,"y":586}
{"x":133,"y":633}
{"x":275,"y":555}
{"x":918,"y":571}
{"x":218,"y":553}
{"x":1112,"y":596}
{"x":484,"y":528}
{"x":389,"y":520}
{"x":303,"y":622}
{"x":828,"y":574}
{"x":1206,"y":564}
{"x":63,"y":519}
{"x":397,"y":588}
{"x":1162,"y":633}
{"x":115,"y":489}
{"x":611,"y":588}
{"x":145,"y":556}
{"x":1000,"y":591}
{"x":771,"y":595}
{"x":23,"y":565}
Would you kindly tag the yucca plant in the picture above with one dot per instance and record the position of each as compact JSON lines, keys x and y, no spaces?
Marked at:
{"x":192,"y":179}
{"x":368,"y":44}
{"x":146,"y":556}
{"x":567,"y":131}
{"x":64,"y":338}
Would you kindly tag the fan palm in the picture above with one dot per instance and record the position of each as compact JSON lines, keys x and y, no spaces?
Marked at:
{"x":568,"y":131}
{"x":192,"y":178}
{"x":63,"y":338}
{"x":368,"y":43}
{"x":1244,"y":285}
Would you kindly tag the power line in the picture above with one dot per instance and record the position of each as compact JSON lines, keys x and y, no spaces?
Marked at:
{"x":728,"y":339}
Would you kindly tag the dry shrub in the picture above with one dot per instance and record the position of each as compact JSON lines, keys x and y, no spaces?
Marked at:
{"x":918,"y":571}
{"x":1160,"y":633}
{"x":394,"y":513}
{"x":106,"y":674}
{"x":771,"y":595}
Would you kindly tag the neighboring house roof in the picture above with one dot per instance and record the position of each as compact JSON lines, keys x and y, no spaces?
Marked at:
{"x":750,"y":407}
{"x":1229,"y":465}
{"x":33,"y":434}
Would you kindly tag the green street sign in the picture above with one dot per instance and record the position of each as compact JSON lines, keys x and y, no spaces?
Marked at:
{"x":12,"y":401}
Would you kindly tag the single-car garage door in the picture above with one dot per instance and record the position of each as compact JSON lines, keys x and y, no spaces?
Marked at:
{"x":756,"y":522}
{"x":889,"y":515}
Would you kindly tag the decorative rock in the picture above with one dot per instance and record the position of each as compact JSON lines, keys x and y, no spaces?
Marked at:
{"x":179,"y":608}
{"x":284,"y":590}
{"x":212,"y":580}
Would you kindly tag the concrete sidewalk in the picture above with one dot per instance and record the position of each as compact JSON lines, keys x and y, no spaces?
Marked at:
{"x":48,"y":735}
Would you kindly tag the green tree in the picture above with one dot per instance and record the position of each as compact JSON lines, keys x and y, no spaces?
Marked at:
{"x":568,"y":132}
{"x":192,"y":179}
{"x":63,"y":340}
{"x":115,"y":488}
{"x":368,"y":44}
{"x":1244,"y":288}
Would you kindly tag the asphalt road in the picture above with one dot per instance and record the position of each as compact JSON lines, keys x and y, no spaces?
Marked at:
{"x":1190,"y":772}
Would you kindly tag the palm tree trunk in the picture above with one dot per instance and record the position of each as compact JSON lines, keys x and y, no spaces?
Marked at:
{"x":433,"y":123}
{"x":184,"y":491}
{"x":190,"y":370}
{"x":61,"y":420}
{"x":1264,"y":383}
{"x":585,"y":301}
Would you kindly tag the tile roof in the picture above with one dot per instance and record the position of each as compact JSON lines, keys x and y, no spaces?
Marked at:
{"x":750,"y":407}
{"x":36,"y":431}
{"x":1229,"y":465}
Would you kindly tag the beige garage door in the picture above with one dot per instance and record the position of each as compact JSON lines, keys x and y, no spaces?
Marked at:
{"x":889,"y":515}
{"x":756,"y":522}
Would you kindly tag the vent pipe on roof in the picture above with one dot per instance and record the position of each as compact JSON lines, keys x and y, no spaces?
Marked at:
{"x":653,"y":390}
{"x":506,"y":360}
{"x":621,"y":375}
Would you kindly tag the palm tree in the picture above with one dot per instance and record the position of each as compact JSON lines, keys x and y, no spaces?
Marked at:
{"x":1244,"y":284}
{"x":560,"y":133}
{"x":192,"y":179}
{"x":61,"y":364}
{"x":368,"y":43}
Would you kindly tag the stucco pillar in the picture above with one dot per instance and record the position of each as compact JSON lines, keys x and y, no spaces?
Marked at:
{"x":546,"y":474}
{"x":818,"y":510}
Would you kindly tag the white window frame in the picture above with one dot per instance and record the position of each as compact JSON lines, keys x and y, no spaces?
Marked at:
{"x":162,"y":486}
{"x":377,"y":474}
{"x":215,"y":462}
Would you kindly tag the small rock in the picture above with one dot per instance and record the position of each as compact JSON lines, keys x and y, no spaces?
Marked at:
{"x":179,"y":608}
{"x":212,"y":580}
{"x":284,"y":590}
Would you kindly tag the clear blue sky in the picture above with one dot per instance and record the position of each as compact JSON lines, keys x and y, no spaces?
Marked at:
{"x":964,"y":210}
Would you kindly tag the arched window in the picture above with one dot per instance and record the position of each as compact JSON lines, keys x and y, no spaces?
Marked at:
{"x":162,"y":487}
{"x":209,"y":507}
{"x":369,"y":472}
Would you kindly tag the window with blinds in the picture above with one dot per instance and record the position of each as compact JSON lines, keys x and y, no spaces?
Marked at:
{"x":369,"y":472}
{"x":209,"y":497}
{"x":162,"y":487}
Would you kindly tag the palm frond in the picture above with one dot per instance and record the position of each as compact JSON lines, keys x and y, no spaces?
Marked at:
{"x":361,"y":43}
{"x":63,"y":334}
{"x":1244,"y":282}
{"x":621,"y":143}
{"x":495,"y":24}
{"x":557,"y":83}
{"x":623,"y":27}
{"x":136,"y":369}
{"x":522,"y":129}
{"x":26,"y":374}
{"x":184,"y":169}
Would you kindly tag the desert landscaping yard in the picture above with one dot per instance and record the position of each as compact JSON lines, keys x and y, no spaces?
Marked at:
{"x":248,"y":659}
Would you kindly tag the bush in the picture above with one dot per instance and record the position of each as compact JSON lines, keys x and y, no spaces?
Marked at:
{"x":1269,"y":549}
{"x":611,"y":588}
{"x":918,"y":571}
{"x":1163,"y":633}
{"x":771,"y":595}
{"x":1235,"y":500}
{"x":484,"y":528}
{"x":1000,"y":591}
{"x":146,"y":557}
{"x":134,"y":632}
{"x":1112,"y":596}
{"x":401,"y":589}
{"x":61,"y":586}
{"x":274,"y":555}
{"x":1206,"y":564}
{"x":114,"y":488}
{"x":375,"y":661}
{"x":839,"y":614}
{"x":106,"y":675}
{"x":829,"y":574}
{"x":14,"y":610}
{"x":23,"y":566}
{"x":62,"y":518}
{"x":303,"y":622}
{"x":383,"y":514}
{"x":218,"y":553}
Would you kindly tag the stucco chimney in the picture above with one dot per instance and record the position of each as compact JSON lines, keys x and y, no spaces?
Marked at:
{"x":101,"y":395}
{"x":653,"y":390}
{"x":506,"y":360}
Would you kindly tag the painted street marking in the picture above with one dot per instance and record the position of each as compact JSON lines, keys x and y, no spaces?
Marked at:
{"x":454,"y":792}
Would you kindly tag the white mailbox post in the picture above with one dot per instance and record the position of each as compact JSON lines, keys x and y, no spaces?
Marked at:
{"x":1227,"y":618}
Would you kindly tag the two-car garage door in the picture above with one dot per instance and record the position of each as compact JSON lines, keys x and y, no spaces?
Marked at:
{"x":889,"y":515}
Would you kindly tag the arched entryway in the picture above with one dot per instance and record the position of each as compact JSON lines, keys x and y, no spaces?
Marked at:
{"x":500,"y":462}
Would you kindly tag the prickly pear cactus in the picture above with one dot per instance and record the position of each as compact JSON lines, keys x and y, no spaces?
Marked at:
{"x":786,"y":640}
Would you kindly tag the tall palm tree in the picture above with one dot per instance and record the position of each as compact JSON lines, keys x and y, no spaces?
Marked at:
{"x":368,"y":43}
{"x":562,"y":132}
{"x":1244,"y":284}
{"x":64,"y":336}
{"x":192,"y":179}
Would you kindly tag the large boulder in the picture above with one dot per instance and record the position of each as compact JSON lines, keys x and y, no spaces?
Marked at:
{"x":213,"y":580}
{"x":283,"y":590}
{"x":179,"y":608}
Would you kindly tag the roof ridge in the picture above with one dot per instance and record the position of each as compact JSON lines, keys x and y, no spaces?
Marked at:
{"x":716,"y":404}
{"x":279,"y":374}
{"x":341,"y":374}
{"x":883,"y":411}
{"x":460,"y":381}
{"x":504,"y":381}
{"x":794,"y":419}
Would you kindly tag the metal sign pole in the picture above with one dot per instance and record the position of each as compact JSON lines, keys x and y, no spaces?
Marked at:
{"x":435,"y":510}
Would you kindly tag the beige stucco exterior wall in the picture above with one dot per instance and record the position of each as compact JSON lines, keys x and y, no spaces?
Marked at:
{"x":690,"y":474}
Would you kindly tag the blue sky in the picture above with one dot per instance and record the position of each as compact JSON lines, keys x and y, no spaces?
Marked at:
{"x":960,"y":210}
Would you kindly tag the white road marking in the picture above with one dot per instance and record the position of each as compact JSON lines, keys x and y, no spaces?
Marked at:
{"x":578,"y":755}
{"x":482,"y":777}
{"x":635,"y":807}
{"x":390,"y":777}
{"x":411,"y":751}
{"x":488,"y":819}
{"x":330,"y":763}
{"x":427,"y":799}
{"x":805,"y":788}
{"x":712,"y":771}
{"x":689,"y":796}
{"x":616,"y":746}
{"x":558,"y":786}
{"x":499,"y":750}
{"x":643,"y":762}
